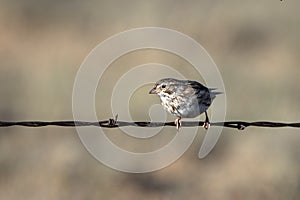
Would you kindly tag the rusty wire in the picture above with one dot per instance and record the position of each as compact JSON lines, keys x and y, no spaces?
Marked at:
{"x":112,"y":123}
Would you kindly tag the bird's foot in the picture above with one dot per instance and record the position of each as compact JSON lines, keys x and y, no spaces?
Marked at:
{"x":177,"y":123}
{"x":206,"y":125}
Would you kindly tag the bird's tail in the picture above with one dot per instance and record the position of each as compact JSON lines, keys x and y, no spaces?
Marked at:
{"x":213,"y":94}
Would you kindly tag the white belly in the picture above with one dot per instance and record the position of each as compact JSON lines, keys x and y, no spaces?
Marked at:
{"x":189,"y":108}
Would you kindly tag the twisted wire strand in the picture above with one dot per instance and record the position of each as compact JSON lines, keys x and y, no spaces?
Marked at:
{"x":112,"y":123}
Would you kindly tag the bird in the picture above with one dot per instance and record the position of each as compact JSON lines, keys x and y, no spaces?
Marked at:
{"x":184,"y":98}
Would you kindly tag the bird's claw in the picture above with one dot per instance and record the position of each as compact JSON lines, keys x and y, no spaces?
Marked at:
{"x":177,"y":123}
{"x":206,"y":125}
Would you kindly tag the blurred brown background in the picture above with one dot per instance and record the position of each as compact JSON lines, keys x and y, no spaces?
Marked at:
{"x":255,"y":45}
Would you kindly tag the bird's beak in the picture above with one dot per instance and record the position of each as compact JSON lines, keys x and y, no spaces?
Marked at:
{"x":153,"y":90}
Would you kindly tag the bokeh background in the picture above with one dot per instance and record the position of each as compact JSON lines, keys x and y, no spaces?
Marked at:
{"x":256,"y":46}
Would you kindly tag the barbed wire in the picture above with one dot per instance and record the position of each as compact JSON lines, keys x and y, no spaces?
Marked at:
{"x":113,"y":123}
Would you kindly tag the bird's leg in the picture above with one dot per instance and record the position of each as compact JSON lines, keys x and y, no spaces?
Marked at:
{"x":206,"y":124}
{"x":178,"y":123}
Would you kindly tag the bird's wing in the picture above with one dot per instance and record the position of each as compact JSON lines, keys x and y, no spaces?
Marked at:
{"x":196,"y":85}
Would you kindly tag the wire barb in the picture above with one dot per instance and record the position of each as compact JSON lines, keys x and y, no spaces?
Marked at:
{"x":113,"y":123}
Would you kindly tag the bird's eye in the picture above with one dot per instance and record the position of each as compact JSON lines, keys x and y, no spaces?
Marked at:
{"x":163,"y":86}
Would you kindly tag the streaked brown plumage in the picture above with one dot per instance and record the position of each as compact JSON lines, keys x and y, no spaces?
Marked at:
{"x":184,"y":98}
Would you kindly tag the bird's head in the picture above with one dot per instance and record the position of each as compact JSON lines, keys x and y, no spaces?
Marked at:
{"x":163,"y":86}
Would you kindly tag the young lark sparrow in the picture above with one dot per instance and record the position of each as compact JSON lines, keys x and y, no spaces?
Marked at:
{"x":184,"y":98}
